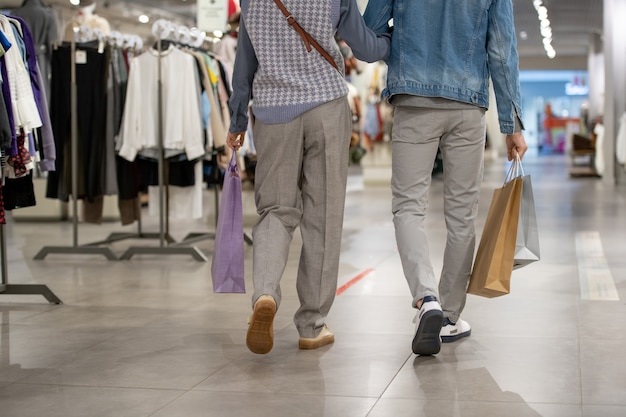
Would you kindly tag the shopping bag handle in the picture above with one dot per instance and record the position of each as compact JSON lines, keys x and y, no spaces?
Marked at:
{"x":515,"y":170}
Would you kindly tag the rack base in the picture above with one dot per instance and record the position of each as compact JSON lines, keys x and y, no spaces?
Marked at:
{"x":119,"y":236}
{"x":197,"y":237}
{"x":30,"y":289}
{"x":164,"y":250}
{"x":75,"y":250}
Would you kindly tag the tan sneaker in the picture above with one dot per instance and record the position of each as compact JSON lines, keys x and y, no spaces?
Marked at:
{"x":326,"y":337}
{"x":260,"y":338}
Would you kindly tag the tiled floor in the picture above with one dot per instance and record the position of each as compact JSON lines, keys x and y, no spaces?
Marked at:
{"x":147,"y":337}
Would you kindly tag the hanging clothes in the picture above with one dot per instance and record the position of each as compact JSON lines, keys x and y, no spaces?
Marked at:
{"x":25,"y":113}
{"x":25,"y":133}
{"x":43,"y":24}
{"x":41,"y":139}
{"x":5,"y":125}
{"x":183,"y":136}
{"x":91,"y":72}
{"x":181,"y":117}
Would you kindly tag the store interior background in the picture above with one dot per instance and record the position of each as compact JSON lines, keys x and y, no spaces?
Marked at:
{"x":585,"y":37}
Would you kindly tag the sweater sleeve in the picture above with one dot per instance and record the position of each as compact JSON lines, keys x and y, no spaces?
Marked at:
{"x":365,"y":44}
{"x":243,"y":74}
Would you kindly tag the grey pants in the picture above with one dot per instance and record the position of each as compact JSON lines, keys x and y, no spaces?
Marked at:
{"x":300,"y":180}
{"x":417,"y":132}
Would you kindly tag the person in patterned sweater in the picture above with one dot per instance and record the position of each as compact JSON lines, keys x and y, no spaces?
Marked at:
{"x":302,"y":129}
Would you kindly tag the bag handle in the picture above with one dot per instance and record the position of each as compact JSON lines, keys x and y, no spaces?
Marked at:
{"x":515,"y":170}
{"x":306,"y":38}
{"x":232,"y":167}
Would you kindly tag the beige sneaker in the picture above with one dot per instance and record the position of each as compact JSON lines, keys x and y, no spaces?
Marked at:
{"x":326,"y":337}
{"x":260,"y":337}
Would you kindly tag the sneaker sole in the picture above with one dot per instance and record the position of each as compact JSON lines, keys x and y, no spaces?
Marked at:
{"x":308,"y":344}
{"x":260,"y":337}
{"x":427,"y":340}
{"x":454,"y":338}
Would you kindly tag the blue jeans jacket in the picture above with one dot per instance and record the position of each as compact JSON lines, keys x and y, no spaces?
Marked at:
{"x":449,"y":49}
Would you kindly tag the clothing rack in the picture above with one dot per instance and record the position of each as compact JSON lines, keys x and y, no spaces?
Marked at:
{"x":200,"y":40}
{"x":5,"y":287}
{"x":134,"y":43}
{"x":75,"y":248}
{"x":164,"y":31}
{"x":21,"y":289}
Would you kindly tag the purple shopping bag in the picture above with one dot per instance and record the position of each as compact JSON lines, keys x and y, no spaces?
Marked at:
{"x":227,"y":267}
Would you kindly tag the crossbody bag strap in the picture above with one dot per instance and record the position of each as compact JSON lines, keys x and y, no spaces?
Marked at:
{"x":306,"y":38}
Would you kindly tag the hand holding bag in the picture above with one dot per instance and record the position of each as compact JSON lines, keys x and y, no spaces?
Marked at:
{"x":227,"y":267}
{"x":491,"y":274}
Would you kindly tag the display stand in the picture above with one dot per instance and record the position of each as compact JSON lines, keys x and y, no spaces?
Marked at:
{"x":164,"y":248}
{"x":75,"y":249}
{"x":120,"y":236}
{"x":20,"y":289}
{"x":133,"y":43}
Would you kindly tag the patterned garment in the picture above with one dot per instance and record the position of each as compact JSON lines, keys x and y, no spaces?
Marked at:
{"x":285,"y":79}
{"x":21,"y":159}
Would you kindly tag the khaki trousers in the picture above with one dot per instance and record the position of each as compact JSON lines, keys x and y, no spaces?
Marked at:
{"x":416,"y":135}
{"x":300,"y":180}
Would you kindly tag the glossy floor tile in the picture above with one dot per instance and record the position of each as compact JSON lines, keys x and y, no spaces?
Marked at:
{"x":147,"y":337}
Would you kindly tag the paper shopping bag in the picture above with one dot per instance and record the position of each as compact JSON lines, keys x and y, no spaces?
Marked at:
{"x":527,"y":244}
{"x":491,"y":273}
{"x":227,"y":267}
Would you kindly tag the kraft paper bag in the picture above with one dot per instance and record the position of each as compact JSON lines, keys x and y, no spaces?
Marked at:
{"x":527,"y":244}
{"x":493,"y":265}
{"x":227,"y":266}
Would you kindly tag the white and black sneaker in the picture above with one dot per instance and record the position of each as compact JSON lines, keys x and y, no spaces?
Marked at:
{"x":428,"y":322}
{"x":451,"y":332}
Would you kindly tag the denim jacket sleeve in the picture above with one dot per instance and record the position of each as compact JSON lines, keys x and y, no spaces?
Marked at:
{"x":504,"y":64}
{"x":377,"y":15}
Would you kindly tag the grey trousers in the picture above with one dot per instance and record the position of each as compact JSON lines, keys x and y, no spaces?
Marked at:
{"x":416,"y":135}
{"x":300,"y":180}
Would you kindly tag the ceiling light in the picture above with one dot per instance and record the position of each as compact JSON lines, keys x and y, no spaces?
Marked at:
{"x":144,"y":18}
{"x":75,"y":2}
{"x":546,"y":29}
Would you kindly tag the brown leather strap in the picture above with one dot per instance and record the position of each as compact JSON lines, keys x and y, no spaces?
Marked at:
{"x":306,"y":38}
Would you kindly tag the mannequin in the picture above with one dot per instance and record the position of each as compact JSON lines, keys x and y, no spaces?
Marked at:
{"x":43,"y":25}
{"x":86,"y":16}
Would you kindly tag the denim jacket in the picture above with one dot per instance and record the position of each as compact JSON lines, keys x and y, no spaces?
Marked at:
{"x":449,"y":49}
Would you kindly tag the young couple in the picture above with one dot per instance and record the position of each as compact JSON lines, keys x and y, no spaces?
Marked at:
{"x":440,"y":57}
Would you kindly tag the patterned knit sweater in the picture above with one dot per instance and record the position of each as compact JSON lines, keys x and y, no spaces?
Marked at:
{"x":289,"y":80}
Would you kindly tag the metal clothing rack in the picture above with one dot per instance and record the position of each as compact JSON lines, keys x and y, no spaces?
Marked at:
{"x":75,"y":248}
{"x":132,"y":42}
{"x":165,"y":246}
{"x":198,"y":39}
{"x":21,"y":289}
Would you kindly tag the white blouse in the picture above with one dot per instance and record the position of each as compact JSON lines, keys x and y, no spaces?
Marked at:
{"x":182,"y":120}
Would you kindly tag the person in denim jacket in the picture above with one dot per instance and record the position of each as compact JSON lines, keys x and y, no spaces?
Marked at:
{"x":443,"y":54}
